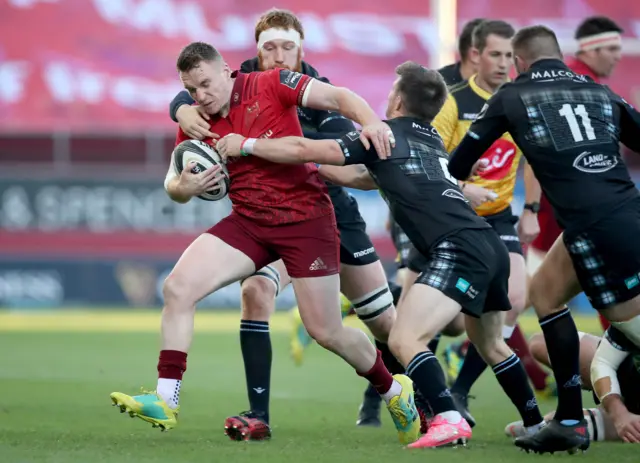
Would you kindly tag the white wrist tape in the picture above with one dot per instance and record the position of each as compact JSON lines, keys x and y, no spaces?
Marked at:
{"x":247,"y":147}
{"x":290,"y":35}
{"x":604,"y":39}
{"x":604,"y":369}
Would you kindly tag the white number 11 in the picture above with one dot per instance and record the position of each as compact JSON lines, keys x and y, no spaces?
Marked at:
{"x":570,"y":114}
{"x":444,"y":163}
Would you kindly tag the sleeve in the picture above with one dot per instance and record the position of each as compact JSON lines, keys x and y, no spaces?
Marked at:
{"x":180,"y":99}
{"x":313,"y":135}
{"x":629,"y":125}
{"x":354,"y":151}
{"x":489,"y":125}
{"x":446,"y":122}
{"x":289,"y":87}
{"x":334,"y":122}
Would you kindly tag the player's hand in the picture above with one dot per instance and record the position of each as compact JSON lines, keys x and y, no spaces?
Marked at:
{"x":381,"y":136}
{"x":229,"y":146}
{"x":194,"y":122}
{"x":478,"y":195}
{"x":628,"y":427}
{"x":528,"y":227}
{"x":192,"y":184}
{"x":479,"y":167}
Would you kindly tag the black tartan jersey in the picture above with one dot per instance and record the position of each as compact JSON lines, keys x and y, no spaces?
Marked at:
{"x":424,"y":199}
{"x":569,"y":129}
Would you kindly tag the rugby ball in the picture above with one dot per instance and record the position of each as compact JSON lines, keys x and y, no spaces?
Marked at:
{"x":205,"y":157}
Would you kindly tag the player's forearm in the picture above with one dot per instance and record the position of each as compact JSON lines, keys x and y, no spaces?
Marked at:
{"x":296,"y":150}
{"x":463,"y":158}
{"x":354,"y":107}
{"x":287,"y":150}
{"x":175,"y":192}
{"x":326,"y":97}
{"x":614,"y":406}
{"x":532,"y":190}
{"x":354,"y":176}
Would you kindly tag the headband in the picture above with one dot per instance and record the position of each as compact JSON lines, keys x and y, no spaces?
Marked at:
{"x":274,"y":33}
{"x":605,"y":39}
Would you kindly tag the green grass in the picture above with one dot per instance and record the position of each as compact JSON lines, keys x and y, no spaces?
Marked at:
{"x":55,"y":380}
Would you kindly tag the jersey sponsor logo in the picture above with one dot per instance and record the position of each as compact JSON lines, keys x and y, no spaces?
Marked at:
{"x":465,"y":287}
{"x":595,"y":163}
{"x":364,"y":252}
{"x":252,"y":112}
{"x":554,"y":74}
{"x":469,"y":116}
{"x":290,"y":79}
{"x":454,"y":194}
{"x":353,"y":136}
{"x":428,"y":131}
{"x":500,"y":156}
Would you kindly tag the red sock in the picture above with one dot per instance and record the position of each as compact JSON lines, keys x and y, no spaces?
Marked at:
{"x":379,"y":376}
{"x":172,"y":364}
{"x":603,"y":322}
{"x":519,"y":344}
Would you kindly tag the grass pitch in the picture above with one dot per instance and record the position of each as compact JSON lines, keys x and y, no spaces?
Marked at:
{"x":58,"y":368}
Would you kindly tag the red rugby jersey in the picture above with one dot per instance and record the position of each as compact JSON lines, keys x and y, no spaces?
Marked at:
{"x":263,"y":105}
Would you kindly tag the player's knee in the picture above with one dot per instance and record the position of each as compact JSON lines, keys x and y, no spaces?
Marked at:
{"x":177,"y":292}
{"x":258,"y":296}
{"x":537,"y":297}
{"x":517,"y":298}
{"x":493,"y":350}
{"x":324,"y":337}
{"x":455,"y":328}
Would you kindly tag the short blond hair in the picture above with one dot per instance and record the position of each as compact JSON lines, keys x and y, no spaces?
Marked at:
{"x":279,"y":19}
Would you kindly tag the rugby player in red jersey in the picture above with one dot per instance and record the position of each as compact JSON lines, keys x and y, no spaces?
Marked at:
{"x":599,"y":51}
{"x":279,"y":212}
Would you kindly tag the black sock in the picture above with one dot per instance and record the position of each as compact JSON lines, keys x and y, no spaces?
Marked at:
{"x":389,"y":360}
{"x":255,"y":343}
{"x":427,"y":374}
{"x":472,"y":368}
{"x":433,"y":344}
{"x":563,"y":345}
{"x":513,"y":379}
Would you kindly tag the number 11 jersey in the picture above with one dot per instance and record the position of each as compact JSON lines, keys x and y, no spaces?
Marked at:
{"x":569,"y":129}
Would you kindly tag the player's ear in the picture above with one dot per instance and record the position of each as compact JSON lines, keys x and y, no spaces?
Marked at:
{"x":226,"y":70}
{"x":397,"y":103}
{"x":474,"y":56}
{"x":519,"y":64}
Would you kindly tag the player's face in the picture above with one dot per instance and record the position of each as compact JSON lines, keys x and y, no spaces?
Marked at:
{"x":280,"y":53}
{"x":209,"y":84}
{"x":495,"y":60}
{"x":606,"y":59}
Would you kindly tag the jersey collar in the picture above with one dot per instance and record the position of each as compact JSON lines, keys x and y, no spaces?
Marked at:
{"x":480,"y":91}
{"x":238,"y":88}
